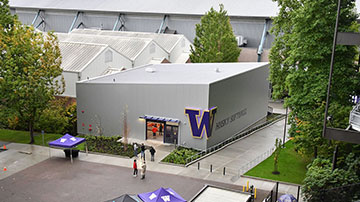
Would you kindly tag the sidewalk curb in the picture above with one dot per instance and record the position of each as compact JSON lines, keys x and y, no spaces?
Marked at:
{"x":106,"y":154}
{"x":269,"y":180}
{"x":172,"y":164}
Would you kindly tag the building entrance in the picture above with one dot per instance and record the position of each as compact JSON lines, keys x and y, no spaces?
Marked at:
{"x":155,"y":130}
{"x":171,"y":134}
{"x":166,"y":132}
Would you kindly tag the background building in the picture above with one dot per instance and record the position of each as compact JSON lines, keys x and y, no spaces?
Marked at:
{"x":139,"y":51}
{"x":228,"y":98}
{"x":82,"y":61}
{"x":250,"y":19}
{"x":91,"y":53}
{"x":177,"y":46}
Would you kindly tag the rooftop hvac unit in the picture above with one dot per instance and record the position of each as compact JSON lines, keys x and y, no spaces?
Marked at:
{"x":241,"y":41}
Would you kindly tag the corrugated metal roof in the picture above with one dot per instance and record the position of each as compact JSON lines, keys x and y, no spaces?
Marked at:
{"x":156,"y":60}
{"x":183,"y":58}
{"x":166,"y":41}
{"x":190,"y":73}
{"x":242,"y":8}
{"x":75,"y":56}
{"x":113,"y":70}
{"x":128,"y":47}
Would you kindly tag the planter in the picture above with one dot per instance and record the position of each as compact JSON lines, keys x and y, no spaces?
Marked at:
{"x":75,"y":153}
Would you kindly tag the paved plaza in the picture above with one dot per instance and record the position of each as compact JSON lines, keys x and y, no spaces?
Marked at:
{"x":57,"y":180}
{"x":37,"y":173}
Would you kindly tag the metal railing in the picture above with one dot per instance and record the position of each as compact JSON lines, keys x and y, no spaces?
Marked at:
{"x":192,"y":159}
{"x":243,"y":169}
{"x":355,"y":117}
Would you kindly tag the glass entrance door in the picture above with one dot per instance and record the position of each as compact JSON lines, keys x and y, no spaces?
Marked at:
{"x":171,"y":134}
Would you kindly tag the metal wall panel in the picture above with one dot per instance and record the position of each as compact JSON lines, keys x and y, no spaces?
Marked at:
{"x":247,"y":91}
{"x":106,"y":102}
{"x":70,"y":80}
{"x":26,"y":17}
{"x":252,"y":31}
{"x":99,"y":20}
{"x":184,"y":25}
{"x":142,"y":22}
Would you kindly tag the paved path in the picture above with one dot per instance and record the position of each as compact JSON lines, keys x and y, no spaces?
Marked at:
{"x":242,"y":152}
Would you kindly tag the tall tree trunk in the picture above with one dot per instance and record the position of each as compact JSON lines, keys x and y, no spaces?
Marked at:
{"x":315,"y":152}
{"x":31,"y":129}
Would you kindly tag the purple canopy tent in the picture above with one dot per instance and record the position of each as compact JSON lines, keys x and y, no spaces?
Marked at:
{"x":287,"y":198}
{"x":161,"y":195}
{"x":67,"y":141}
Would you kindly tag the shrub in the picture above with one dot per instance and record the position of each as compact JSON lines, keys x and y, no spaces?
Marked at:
{"x":10,"y":119}
{"x":59,"y":117}
{"x":179,"y":155}
{"x":109,"y":145}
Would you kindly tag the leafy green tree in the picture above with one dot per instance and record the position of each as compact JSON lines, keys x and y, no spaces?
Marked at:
{"x":29,"y":65}
{"x":6,"y":19}
{"x":215,"y":40}
{"x":322,"y":182}
{"x":299,"y":68}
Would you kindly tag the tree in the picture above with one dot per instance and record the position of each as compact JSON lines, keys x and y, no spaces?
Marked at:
{"x":278,"y":147}
{"x":6,"y":19}
{"x":98,"y":124}
{"x":126,"y":128}
{"x":215,"y":40}
{"x":29,"y":65}
{"x":322,"y":182}
{"x":299,"y":68}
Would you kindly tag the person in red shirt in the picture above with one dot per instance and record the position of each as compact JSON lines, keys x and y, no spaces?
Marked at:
{"x":154,"y":130}
{"x":135,"y":168}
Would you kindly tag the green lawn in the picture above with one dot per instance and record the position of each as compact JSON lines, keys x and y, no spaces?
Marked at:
{"x":292,"y":166}
{"x":24,"y":137}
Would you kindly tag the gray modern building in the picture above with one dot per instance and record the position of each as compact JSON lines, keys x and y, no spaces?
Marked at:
{"x":192,"y":105}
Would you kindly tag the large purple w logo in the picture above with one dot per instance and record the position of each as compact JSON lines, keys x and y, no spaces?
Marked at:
{"x":201,"y":124}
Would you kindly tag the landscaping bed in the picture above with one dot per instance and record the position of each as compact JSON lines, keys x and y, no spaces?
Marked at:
{"x":179,"y":155}
{"x":109,"y":145}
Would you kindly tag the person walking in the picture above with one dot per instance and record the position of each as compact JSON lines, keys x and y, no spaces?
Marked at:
{"x":143,"y":170}
{"x":135,"y":168}
{"x":142,"y":151}
{"x":152,"y":152}
{"x":135,"y":150}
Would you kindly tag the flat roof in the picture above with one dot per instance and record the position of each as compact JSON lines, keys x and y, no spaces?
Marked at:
{"x":216,"y":194}
{"x":191,"y":73}
{"x":240,"y":8}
